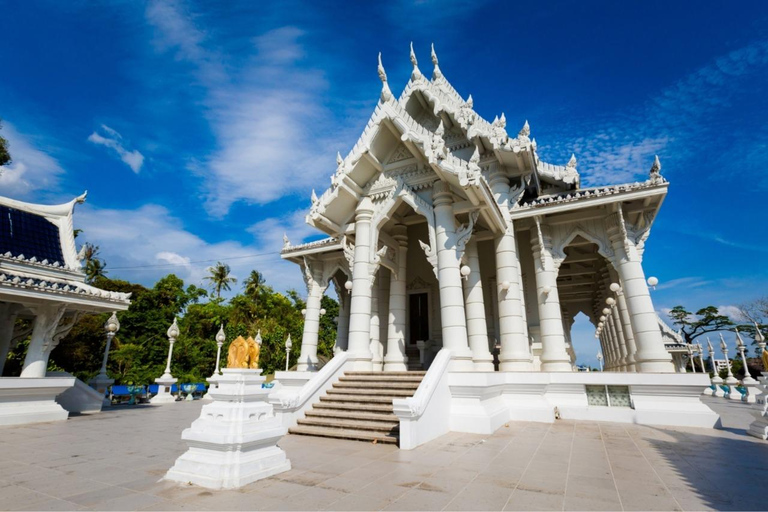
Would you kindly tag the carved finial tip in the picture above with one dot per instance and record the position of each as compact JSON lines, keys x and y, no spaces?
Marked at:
{"x":572,"y":162}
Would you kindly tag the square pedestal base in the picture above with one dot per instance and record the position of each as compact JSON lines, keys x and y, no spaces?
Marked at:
{"x":32,"y":400}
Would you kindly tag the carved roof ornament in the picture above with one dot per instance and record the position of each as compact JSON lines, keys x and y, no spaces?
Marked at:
{"x":386,"y":93}
{"x":572,"y":162}
{"x":436,"y":73}
{"x":286,"y":242}
{"x":470,"y":102}
{"x":655,"y":174}
{"x":475,"y":158}
{"x":313,"y":197}
{"x":416,"y":73}
{"x":525,"y":131}
{"x":339,"y":160}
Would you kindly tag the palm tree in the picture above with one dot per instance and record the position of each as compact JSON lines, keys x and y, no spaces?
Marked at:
{"x":94,"y":266}
{"x":253,"y":284}
{"x":220,"y":278}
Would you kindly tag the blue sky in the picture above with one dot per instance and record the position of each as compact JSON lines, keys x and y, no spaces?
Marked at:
{"x":199,"y":128}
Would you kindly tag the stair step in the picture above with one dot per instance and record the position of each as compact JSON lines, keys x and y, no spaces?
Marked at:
{"x":377,"y":426}
{"x":357,"y":435}
{"x":357,"y":399}
{"x":394,"y":393}
{"x":354,"y":406}
{"x":404,"y":374}
{"x":352,"y":415}
{"x":380,"y":378}
{"x":376,"y":385}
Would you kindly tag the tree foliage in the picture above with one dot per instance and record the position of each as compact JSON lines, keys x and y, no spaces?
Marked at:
{"x":5,"y":156}
{"x":220,"y":278}
{"x":705,"y":320}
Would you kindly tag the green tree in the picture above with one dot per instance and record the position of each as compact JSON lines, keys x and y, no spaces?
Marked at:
{"x":5,"y":156}
{"x":253,"y":283}
{"x":220,"y":278}
{"x":95,"y":267}
{"x":704,"y":321}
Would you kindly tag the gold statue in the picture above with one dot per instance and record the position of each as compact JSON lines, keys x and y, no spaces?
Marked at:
{"x":765,"y":360}
{"x":253,"y":353}
{"x":237,"y":357}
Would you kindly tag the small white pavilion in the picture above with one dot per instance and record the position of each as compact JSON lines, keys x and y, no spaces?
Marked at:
{"x":448,"y":233}
{"x":41,"y":279}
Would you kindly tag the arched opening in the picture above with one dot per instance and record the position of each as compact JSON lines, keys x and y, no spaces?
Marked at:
{"x":584,"y":344}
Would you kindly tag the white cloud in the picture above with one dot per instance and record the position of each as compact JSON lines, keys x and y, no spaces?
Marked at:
{"x":265,"y":118}
{"x":145,"y":244}
{"x":133,"y":159}
{"x":31,"y":171}
{"x":732,"y":312}
{"x":683,"y":282}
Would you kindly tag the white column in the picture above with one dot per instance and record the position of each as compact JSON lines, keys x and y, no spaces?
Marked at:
{"x":477,"y":329}
{"x":452,"y":314}
{"x":8,"y":313}
{"x":651,"y":355}
{"x":41,"y":344}
{"x":360,"y":304}
{"x":616,"y":322}
{"x":515,"y":353}
{"x":315,"y":288}
{"x":396,"y":360}
{"x":342,"y":327}
{"x":376,"y":359}
{"x":615,"y":334}
{"x":554,"y":357}
{"x":626,"y":325}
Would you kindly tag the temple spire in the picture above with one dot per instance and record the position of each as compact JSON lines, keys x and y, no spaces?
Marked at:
{"x":416,"y":73}
{"x":436,"y":73}
{"x":386,"y":93}
{"x":572,"y":162}
{"x":339,"y":160}
{"x":655,"y":174}
{"x":525,"y":131}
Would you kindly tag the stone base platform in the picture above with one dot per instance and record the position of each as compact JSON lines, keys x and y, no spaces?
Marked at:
{"x":32,"y":400}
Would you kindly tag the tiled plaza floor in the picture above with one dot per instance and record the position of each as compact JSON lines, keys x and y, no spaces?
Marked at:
{"x":113,"y":461}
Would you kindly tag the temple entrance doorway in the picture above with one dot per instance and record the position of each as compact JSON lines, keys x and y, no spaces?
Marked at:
{"x":418,"y":314}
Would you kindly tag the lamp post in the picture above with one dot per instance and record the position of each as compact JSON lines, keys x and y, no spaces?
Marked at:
{"x":600,"y":360}
{"x":717,"y":381}
{"x":691,"y":359}
{"x":166,"y":380}
{"x":700,"y":350}
{"x":220,"y":339}
{"x":748,"y":382}
{"x":730,"y":381}
{"x":288,"y":345}
{"x":102,"y":381}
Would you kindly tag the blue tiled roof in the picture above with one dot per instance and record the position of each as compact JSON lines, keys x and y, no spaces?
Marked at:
{"x":29,"y":234}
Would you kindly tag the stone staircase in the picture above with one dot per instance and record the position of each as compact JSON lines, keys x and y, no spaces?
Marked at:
{"x":359,"y":407}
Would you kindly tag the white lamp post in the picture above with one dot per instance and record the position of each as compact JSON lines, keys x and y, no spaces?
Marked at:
{"x":690,"y":358}
{"x":700,"y":350}
{"x":220,"y":339}
{"x":760,"y":340}
{"x":102,"y":381}
{"x":730,"y":381}
{"x":600,"y":360}
{"x":716,"y":379}
{"x":288,"y":345}
{"x":166,"y":380}
{"x":748,"y":382}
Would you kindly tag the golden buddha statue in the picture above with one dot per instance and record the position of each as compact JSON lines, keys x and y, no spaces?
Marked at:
{"x":237,"y":357}
{"x":253,"y":353}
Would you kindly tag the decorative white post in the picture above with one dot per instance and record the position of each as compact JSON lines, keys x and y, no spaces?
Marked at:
{"x":102,"y":381}
{"x":288,"y":345}
{"x":700,"y":350}
{"x":166,"y":380}
{"x":221,"y":337}
{"x":359,"y":351}
{"x":396,"y":359}
{"x":717,"y":381}
{"x":748,"y":382}
{"x":759,"y":427}
{"x":600,"y":360}
{"x":730,"y":381}
{"x":691,"y":358}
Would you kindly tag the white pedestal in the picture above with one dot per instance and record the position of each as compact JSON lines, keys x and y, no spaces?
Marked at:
{"x":717,"y":381}
{"x":212,"y":381}
{"x":101,"y":383}
{"x":759,"y":427}
{"x":164,"y":395}
{"x":234,"y":441}
{"x":32,"y":400}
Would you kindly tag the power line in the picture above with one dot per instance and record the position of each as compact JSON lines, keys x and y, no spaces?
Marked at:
{"x":173,"y":265}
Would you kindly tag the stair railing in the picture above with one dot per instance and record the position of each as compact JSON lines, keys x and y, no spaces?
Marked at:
{"x":425,"y":416}
{"x":290,"y":405}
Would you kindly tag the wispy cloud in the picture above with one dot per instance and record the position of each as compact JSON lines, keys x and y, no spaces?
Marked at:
{"x":113,"y":140}
{"x":673,"y":123}
{"x":683,"y":282}
{"x":266,"y":117}
{"x":31,"y":171}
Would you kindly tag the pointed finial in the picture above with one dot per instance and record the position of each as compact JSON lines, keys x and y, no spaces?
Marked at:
{"x":525,"y":131}
{"x":470,"y":102}
{"x":475,"y":158}
{"x":416,"y":73}
{"x":440,"y":129}
{"x":709,"y":345}
{"x":386,"y":93}
{"x":759,"y":338}
{"x":258,"y":337}
{"x":723,"y":345}
{"x":339,"y":160}
{"x":656,"y":167}
{"x":739,"y":341}
{"x":221,"y":337}
{"x":495,"y":120}
{"x":286,"y":242}
{"x":572,"y":162}
{"x":436,"y":73}
{"x":313,"y":197}
{"x":503,"y":120}
{"x":173,"y":330}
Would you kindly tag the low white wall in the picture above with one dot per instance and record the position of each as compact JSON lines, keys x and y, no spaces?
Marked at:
{"x":295,"y":392}
{"x":32,"y":400}
{"x":80,"y":398}
{"x":426,"y":415}
{"x":482,"y":402}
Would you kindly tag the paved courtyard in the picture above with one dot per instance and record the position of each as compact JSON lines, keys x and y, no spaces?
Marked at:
{"x":113,"y":461}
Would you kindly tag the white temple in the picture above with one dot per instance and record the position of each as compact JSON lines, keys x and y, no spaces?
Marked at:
{"x":41,"y":279}
{"x":446,"y":232}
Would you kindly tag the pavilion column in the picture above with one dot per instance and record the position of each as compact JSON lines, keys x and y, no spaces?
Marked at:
{"x":452,"y":313}
{"x":616,"y":322}
{"x":396,"y":360}
{"x":360,"y":304}
{"x":515,"y":354}
{"x":651,"y":355}
{"x":477,"y":329}
{"x":342,"y":327}
{"x":554,"y":357}
{"x":376,"y":358}
{"x":315,"y":289}
{"x":610,"y":359}
{"x":616,"y":336}
{"x":626,"y":325}
{"x":8,"y":314}
{"x":42,"y":343}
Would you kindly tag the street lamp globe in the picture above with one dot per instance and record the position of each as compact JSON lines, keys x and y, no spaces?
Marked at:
{"x":615,"y":287}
